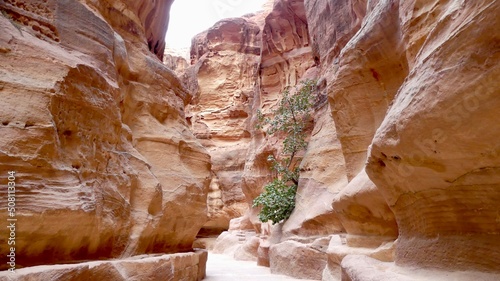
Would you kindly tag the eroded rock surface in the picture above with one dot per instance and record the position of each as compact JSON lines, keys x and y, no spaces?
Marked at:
{"x":185,"y":266}
{"x":225,"y":60}
{"x":93,"y":125}
{"x":413,"y":79}
{"x":436,"y":155}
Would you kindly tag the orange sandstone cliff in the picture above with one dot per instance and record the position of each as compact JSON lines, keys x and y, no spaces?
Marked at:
{"x":401,"y":168}
{"x":93,"y":125}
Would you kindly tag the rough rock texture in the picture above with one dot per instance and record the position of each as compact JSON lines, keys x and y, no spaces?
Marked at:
{"x":292,"y":258}
{"x":436,"y":155}
{"x":365,"y":214}
{"x":175,"y":267}
{"x":225,"y":60}
{"x":415,"y":80}
{"x":93,"y":124}
{"x":176,"y":60}
{"x":363,"y":70}
{"x":285,"y":57}
{"x":362,"y":268}
{"x":241,"y":245}
{"x":323,"y":175}
{"x":339,"y":247}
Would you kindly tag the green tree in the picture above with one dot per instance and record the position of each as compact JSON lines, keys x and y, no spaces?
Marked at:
{"x":289,"y":120}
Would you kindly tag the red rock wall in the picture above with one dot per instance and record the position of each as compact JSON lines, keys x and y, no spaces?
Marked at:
{"x":413,"y":81}
{"x":412,"y":100}
{"x":93,"y":124}
{"x":224,"y":72}
{"x":436,"y":155}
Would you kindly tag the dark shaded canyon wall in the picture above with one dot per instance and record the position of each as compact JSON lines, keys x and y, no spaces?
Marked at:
{"x":93,"y":125}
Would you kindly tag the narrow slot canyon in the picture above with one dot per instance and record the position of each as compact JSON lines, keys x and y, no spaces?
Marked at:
{"x":124,"y":158}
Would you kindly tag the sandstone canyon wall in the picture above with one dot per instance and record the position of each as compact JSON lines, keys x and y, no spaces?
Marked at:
{"x":93,"y":125}
{"x":402,"y":160}
{"x":223,"y":77}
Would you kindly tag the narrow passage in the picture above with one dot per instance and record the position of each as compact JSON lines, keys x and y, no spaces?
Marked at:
{"x":224,"y":268}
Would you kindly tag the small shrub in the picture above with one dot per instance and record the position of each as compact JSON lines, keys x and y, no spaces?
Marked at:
{"x":289,"y":119}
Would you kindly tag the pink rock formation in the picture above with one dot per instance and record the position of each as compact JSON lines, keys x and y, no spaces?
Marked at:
{"x":298,"y":260}
{"x":225,"y":59}
{"x":436,"y":155}
{"x":363,"y":71}
{"x":93,"y":125}
{"x":396,"y":74}
{"x":185,"y":266}
{"x":323,"y":175}
{"x":365,"y":214}
{"x":285,"y":57}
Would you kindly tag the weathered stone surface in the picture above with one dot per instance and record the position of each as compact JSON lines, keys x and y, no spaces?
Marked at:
{"x":285,"y":58}
{"x":93,"y":125}
{"x":435,"y":157}
{"x":365,"y":214}
{"x":185,"y":266}
{"x":225,"y":59}
{"x":176,"y":60}
{"x":241,"y":245}
{"x":323,"y":175}
{"x":362,"y":72}
{"x":339,"y":247}
{"x":363,"y":268}
{"x":292,"y":258}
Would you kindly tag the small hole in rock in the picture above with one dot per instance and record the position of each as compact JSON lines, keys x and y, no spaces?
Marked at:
{"x":67,"y":133}
{"x":5,"y":123}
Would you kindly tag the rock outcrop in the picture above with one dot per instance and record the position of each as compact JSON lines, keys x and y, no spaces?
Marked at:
{"x":435,"y":157}
{"x":224,"y":59}
{"x":184,"y":266}
{"x":285,"y":57}
{"x":413,"y":80}
{"x":93,"y":125}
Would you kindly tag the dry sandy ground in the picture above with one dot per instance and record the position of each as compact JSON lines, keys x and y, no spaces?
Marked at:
{"x":224,"y":268}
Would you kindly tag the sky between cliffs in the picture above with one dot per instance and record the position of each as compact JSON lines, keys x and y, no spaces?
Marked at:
{"x":190,"y":17}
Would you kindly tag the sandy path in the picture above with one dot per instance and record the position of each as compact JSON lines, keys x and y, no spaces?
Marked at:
{"x":224,"y":268}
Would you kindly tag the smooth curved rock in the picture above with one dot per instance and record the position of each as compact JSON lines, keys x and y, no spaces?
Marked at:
{"x":185,"y":266}
{"x":435,"y":157}
{"x":225,"y":59}
{"x":364,"y":213}
{"x":93,"y":125}
{"x":363,"y":268}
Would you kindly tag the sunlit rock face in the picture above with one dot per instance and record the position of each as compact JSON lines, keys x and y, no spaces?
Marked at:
{"x":436,"y":155}
{"x":93,"y":125}
{"x":224,"y":71}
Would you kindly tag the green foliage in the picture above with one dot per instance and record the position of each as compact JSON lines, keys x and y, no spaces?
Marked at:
{"x":289,"y":120}
{"x":277,"y":201}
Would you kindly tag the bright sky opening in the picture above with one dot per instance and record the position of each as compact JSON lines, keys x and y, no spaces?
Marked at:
{"x":190,"y":17}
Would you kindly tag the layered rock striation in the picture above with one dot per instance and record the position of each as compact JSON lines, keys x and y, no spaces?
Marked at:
{"x":93,"y":125}
{"x":224,"y":70}
{"x":435,"y":156}
{"x":401,"y":163}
